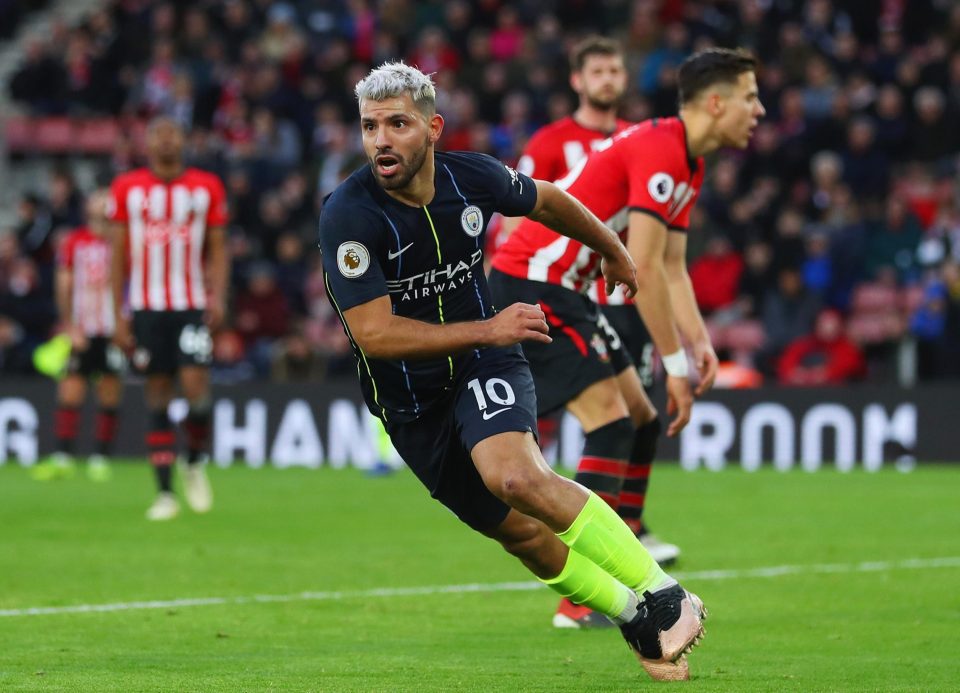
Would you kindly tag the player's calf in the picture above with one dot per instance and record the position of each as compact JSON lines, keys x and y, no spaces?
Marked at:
{"x":531,"y":541}
{"x":604,"y":462}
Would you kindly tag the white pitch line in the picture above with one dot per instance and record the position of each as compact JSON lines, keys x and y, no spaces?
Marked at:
{"x":381,"y":592}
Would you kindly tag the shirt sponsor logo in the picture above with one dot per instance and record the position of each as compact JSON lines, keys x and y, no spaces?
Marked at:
{"x":660,"y":186}
{"x":448,"y":277}
{"x":472,"y":221}
{"x":353,"y":259}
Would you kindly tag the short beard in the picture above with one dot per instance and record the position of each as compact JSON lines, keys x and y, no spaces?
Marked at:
{"x":406,"y":173}
{"x":608,"y":105}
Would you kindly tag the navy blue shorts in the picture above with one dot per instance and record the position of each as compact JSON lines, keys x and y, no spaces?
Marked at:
{"x":493,"y":394}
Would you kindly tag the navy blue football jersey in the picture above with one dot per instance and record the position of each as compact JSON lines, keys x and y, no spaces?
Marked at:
{"x":428,"y":260}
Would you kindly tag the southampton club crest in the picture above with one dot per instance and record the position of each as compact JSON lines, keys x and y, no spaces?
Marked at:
{"x":353,"y":259}
{"x":599,"y":345}
{"x":472,"y":221}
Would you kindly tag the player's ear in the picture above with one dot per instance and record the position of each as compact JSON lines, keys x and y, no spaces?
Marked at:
{"x":576,"y":81}
{"x":715,"y":104}
{"x":436,"y":127}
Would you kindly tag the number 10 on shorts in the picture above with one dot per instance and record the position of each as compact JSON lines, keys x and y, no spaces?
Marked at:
{"x":497,"y":391}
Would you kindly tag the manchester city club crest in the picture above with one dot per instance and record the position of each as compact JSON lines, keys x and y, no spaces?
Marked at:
{"x":472,"y":221}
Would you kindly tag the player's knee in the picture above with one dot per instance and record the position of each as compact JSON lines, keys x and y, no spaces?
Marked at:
{"x":611,"y":407}
{"x":521,"y":485}
{"x":642,"y":413}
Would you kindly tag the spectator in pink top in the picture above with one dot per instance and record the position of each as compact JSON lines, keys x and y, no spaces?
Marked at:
{"x":507,"y":39}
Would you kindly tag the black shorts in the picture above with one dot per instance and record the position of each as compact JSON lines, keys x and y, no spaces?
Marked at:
{"x":168,"y":340}
{"x":493,"y":395}
{"x":629,"y":325}
{"x":101,"y":357}
{"x":585,"y":349}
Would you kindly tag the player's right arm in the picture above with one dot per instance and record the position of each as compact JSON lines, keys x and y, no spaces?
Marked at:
{"x":537,"y":161}
{"x":352,"y":245}
{"x":63,"y":290}
{"x":117,"y":233}
{"x":383,"y":335}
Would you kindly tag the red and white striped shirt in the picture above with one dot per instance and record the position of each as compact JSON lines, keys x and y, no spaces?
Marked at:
{"x":645,"y":168}
{"x":166,"y":224}
{"x":87,"y":256}
{"x":556,"y":148}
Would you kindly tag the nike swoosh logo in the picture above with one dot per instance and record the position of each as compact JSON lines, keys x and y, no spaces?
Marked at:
{"x":489,"y":415}
{"x":393,"y":255}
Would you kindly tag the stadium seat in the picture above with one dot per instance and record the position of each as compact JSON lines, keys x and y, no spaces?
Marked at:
{"x":96,"y":136}
{"x":745,"y":336}
{"x":875,"y":328}
{"x":911,"y":298}
{"x":873,"y":297}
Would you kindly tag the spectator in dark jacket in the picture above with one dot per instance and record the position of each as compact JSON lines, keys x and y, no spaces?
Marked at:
{"x":261,"y":315}
{"x":788,"y":314}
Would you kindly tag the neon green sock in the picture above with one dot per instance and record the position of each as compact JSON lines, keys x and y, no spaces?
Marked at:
{"x":599,"y":534}
{"x":583,"y":582}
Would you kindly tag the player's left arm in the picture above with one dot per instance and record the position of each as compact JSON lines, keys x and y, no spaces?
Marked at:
{"x":536,"y":161}
{"x":565,"y":214}
{"x":63,"y":293}
{"x":685,"y":309}
{"x":218,"y":261}
{"x":218,"y":275}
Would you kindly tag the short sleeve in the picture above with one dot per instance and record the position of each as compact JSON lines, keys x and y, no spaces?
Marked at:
{"x":682,"y":222}
{"x":654,"y":180}
{"x":515,"y":194}
{"x":217,"y":215}
{"x":350,"y":243}
{"x":116,"y":203}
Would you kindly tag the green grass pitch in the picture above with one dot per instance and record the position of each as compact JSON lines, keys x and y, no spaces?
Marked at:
{"x":860,"y":620}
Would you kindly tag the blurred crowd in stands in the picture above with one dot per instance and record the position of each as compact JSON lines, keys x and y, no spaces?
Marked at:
{"x":816,"y":253}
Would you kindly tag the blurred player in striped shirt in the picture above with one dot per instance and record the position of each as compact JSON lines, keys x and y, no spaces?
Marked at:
{"x":170,"y":253}
{"x":85,"y":304}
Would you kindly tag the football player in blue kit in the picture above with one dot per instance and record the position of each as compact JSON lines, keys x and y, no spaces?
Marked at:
{"x":402,"y":243}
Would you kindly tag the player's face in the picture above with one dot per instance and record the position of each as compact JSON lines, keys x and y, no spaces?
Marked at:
{"x":742,"y":110}
{"x":96,"y":211}
{"x":165,"y":142}
{"x":602,"y":81}
{"x":397,"y":137}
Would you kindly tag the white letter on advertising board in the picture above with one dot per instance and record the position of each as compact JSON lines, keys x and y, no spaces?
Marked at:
{"x":297,"y":443}
{"x":758,"y":417}
{"x":250,"y":438}
{"x":698,"y":444}
{"x":20,"y":441}
{"x":348,"y":439}
{"x":837,"y":417}
{"x":878,"y":428}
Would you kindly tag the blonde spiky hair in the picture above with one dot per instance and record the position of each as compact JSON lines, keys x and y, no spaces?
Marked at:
{"x":395,"y":79}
